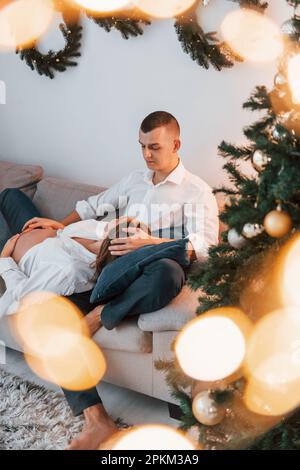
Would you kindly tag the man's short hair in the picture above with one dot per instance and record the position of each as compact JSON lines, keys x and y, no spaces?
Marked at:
{"x":158,"y":119}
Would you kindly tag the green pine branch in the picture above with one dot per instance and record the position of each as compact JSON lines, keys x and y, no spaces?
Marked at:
{"x":259,"y":100}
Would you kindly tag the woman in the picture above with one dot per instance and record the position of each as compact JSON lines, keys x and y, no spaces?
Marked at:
{"x":63,"y":261}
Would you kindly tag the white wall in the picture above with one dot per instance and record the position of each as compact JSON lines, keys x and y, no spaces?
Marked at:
{"x":84,"y":124}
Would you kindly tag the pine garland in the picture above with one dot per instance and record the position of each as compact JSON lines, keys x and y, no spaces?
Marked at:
{"x":128,"y":27}
{"x":205,"y":48}
{"x":47,"y":64}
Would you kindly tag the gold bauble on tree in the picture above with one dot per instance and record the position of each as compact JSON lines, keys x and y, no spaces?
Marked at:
{"x":277,"y":223}
{"x":206,"y":410}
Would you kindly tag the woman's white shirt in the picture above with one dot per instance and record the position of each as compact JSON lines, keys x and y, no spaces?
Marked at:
{"x":59,"y":265}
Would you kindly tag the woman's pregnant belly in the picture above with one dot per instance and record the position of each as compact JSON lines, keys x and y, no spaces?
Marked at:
{"x":29,"y":239}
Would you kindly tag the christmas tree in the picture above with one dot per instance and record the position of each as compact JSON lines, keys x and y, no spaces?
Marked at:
{"x":240,"y":276}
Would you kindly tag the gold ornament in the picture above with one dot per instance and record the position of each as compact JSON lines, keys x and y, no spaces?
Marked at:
{"x":206,"y":410}
{"x":277,"y":223}
{"x":291,"y":121}
{"x":260,"y":160}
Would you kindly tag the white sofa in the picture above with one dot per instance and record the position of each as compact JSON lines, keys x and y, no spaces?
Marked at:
{"x":132,"y":348}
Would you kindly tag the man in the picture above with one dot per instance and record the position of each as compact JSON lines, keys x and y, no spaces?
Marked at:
{"x":175,"y":204}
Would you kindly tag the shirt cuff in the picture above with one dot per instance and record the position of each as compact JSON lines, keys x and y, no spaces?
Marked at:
{"x":13,"y":308}
{"x":199,"y":246}
{"x":84,"y":210}
{"x":6,"y":264}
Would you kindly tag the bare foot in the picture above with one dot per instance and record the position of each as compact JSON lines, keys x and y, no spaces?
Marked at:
{"x":98,"y":427}
{"x":93,"y":319}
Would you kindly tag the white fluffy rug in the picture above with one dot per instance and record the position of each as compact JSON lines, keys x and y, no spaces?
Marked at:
{"x":32,"y":417}
{"x":35,"y":418}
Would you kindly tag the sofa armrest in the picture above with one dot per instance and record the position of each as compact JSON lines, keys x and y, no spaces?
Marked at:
{"x":174,"y":316}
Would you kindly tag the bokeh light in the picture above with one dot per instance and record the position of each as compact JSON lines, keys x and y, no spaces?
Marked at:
{"x":153,"y":437}
{"x":74,"y":362}
{"x":294,"y":77}
{"x":289,"y":272}
{"x":23,"y":21}
{"x":252,"y":35}
{"x":42,"y":312}
{"x":56,"y":342}
{"x":165,"y":8}
{"x":272,"y":400}
{"x":103,"y":6}
{"x":213,"y":346}
{"x":272,"y":363}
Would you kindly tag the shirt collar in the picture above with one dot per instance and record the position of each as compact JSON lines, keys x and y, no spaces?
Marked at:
{"x":176,"y":176}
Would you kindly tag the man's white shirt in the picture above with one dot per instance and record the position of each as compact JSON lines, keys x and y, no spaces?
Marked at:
{"x":183,"y":201}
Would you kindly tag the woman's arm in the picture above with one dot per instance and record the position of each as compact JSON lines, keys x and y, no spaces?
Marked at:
{"x":48,"y":278}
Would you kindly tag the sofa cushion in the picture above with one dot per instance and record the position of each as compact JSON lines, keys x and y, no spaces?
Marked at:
{"x":125,"y":337}
{"x":56,"y":197}
{"x":14,"y":175}
{"x":174,"y":316}
{"x":25,"y":177}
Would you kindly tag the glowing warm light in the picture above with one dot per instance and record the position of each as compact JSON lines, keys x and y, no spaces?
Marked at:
{"x":165,"y":8}
{"x":213,"y":346}
{"x":276,"y":398}
{"x":153,"y":437}
{"x":24,"y":21}
{"x":70,"y":360}
{"x":252,"y":36}
{"x":56,"y":342}
{"x":41,"y":313}
{"x":289,"y":268}
{"x":294,"y":77}
{"x":103,"y":6}
{"x":273,"y":363}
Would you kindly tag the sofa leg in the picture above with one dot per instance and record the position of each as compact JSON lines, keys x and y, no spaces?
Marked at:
{"x":174,"y":411}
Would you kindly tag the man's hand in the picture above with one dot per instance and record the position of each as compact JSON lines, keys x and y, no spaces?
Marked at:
{"x":40,"y":222}
{"x":191,"y":252}
{"x":9,"y":246}
{"x":137,"y":239}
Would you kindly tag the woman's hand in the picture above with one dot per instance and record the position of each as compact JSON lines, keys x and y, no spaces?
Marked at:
{"x":40,"y":222}
{"x":9,"y":246}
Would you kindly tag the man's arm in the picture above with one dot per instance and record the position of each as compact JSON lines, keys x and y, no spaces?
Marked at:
{"x":71,"y":218}
{"x":137,"y":239}
{"x":202,"y":224}
{"x":41,"y":222}
{"x":94,"y":206}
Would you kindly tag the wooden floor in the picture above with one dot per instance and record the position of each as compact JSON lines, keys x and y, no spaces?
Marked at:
{"x":132,"y":407}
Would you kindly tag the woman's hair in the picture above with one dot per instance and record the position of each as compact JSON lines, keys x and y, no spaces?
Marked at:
{"x":104,"y":256}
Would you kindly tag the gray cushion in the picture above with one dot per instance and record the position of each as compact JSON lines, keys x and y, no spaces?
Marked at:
{"x":14,"y":175}
{"x":125,"y":337}
{"x":25,"y":177}
{"x":174,"y":316}
{"x":56,"y":197}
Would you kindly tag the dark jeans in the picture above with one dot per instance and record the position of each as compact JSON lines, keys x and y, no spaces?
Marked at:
{"x":158,"y":284}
